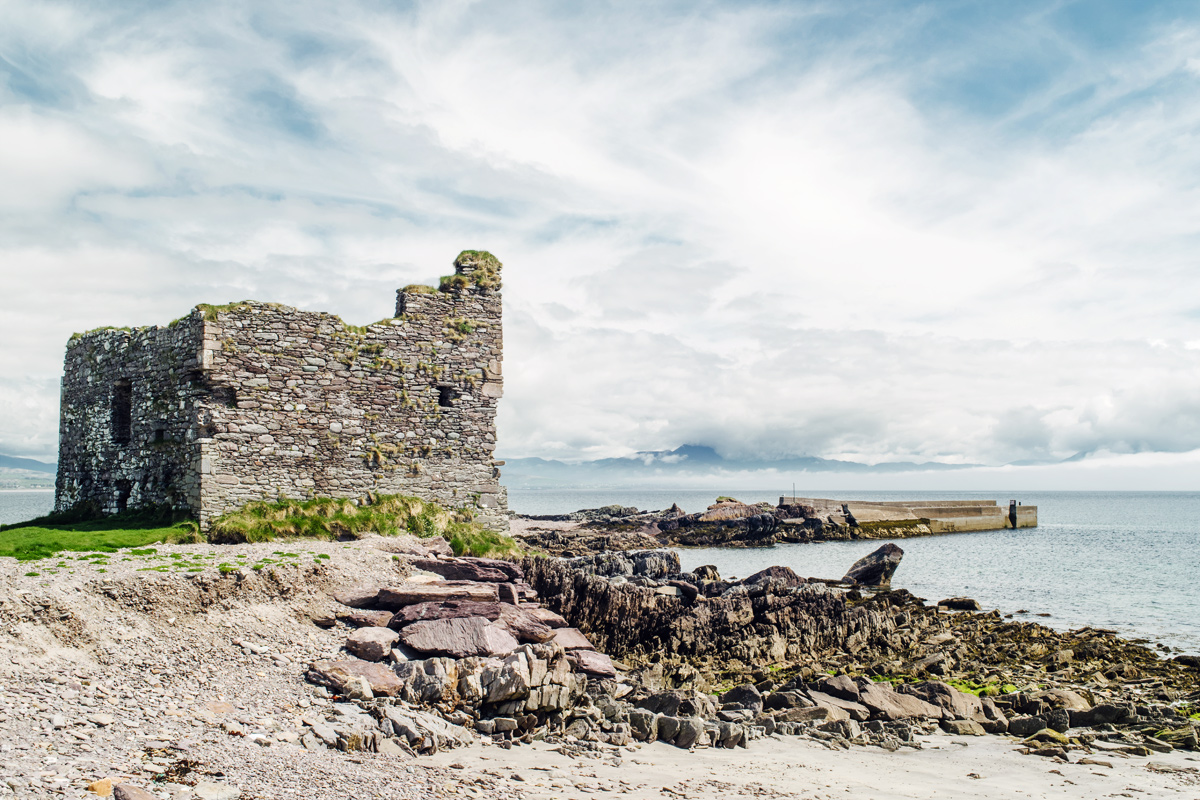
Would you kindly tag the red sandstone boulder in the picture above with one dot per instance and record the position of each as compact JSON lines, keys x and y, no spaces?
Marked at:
{"x":335,"y":675}
{"x":545,"y":616}
{"x":592,"y":663}
{"x":572,"y":639}
{"x":366,"y":619}
{"x":358,"y":597}
{"x":458,"y":638}
{"x":489,"y":570}
{"x":371,"y":644}
{"x":515,"y":619}
{"x":407,"y":594}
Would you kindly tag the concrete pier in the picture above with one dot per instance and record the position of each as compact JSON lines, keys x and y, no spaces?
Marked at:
{"x":941,"y":516}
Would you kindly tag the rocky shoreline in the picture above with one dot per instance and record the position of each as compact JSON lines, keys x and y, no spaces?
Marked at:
{"x":179,"y":675}
{"x":726,"y":523}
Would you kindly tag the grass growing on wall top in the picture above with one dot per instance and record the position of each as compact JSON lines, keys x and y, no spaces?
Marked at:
{"x":82,"y":532}
{"x":340,"y":518}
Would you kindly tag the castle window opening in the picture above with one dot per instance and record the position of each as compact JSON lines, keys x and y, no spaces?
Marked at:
{"x":446,"y":396}
{"x":122,"y":411}
{"x":160,"y":435}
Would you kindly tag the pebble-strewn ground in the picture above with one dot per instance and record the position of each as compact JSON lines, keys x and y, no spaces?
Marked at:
{"x":184,"y":679}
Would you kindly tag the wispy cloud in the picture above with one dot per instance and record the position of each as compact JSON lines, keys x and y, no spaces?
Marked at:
{"x":876,"y":231}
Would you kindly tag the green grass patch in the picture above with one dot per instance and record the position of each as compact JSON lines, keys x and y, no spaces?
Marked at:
{"x":46,"y":537}
{"x":339,"y":518}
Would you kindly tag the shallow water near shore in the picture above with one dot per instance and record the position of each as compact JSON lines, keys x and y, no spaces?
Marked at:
{"x":1122,"y":560}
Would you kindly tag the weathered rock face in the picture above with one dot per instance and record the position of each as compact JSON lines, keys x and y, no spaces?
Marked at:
{"x":254,"y":400}
{"x":747,"y":623}
{"x":877,"y":568}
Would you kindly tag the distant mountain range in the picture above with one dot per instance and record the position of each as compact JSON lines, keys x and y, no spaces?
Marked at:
{"x":12,"y":462}
{"x":689,"y":461}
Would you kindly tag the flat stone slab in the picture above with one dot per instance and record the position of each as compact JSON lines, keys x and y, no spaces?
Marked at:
{"x":357,"y":597}
{"x":458,"y":638}
{"x":545,"y":616}
{"x":335,"y":675}
{"x":572,"y":639}
{"x":593,"y":663}
{"x":892,"y":705}
{"x":516,"y":620}
{"x":394,"y":598}
{"x":853,"y":710}
{"x":366,"y":619}
{"x":492,"y":570}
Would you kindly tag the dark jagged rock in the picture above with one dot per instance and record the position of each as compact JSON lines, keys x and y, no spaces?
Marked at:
{"x":959,"y":604}
{"x":725,"y":524}
{"x":487,"y":570}
{"x":877,"y":568}
{"x":581,"y":541}
{"x":753,"y":628}
{"x":679,"y":703}
{"x":746,"y":696}
{"x":779,"y":577}
{"x":652,"y":564}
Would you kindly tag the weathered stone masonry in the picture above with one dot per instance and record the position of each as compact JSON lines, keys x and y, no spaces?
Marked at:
{"x":253,"y":400}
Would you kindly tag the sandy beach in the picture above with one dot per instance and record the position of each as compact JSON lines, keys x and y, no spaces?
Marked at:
{"x":986,"y":767}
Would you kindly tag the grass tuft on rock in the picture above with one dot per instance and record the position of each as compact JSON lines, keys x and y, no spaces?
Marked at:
{"x":344,"y":518}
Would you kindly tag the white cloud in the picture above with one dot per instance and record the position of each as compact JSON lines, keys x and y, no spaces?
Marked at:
{"x":718,"y":226}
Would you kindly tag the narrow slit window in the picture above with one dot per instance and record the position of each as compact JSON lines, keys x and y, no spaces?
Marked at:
{"x":124,"y":490}
{"x":160,"y":436}
{"x":122,"y":411}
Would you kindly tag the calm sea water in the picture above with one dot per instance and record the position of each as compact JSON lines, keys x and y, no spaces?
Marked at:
{"x":20,"y":506}
{"x":1122,"y":560}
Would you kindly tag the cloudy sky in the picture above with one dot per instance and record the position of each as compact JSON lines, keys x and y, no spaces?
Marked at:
{"x":951,"y":231}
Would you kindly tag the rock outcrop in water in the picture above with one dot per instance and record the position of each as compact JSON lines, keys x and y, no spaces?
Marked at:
{"x":876,"y":568}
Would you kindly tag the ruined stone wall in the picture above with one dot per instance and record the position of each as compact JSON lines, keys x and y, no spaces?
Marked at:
{"x":252,"y":401}
{"x":305,"y":405}
{"x":152,"y":460}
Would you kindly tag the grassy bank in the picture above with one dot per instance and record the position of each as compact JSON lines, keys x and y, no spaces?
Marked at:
{"x":340,"y":518}
{"x":45,"y":536}
{"x":322,"y":518}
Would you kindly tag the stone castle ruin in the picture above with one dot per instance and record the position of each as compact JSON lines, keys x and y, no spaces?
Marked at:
{"x":253,"y":401}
